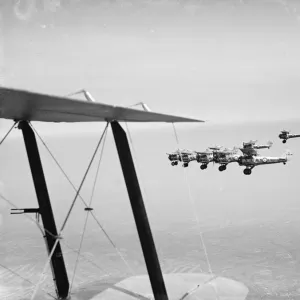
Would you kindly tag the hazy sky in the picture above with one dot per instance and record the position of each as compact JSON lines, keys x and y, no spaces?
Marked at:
{"x":217,"y":63}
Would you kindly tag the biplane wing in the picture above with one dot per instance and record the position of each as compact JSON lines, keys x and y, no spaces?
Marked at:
{"x":249,"y":151}
{"x":226,"y":151}
{"x":29,"y":106}
{"x":204,"y":152}
{"x":182,"y":151}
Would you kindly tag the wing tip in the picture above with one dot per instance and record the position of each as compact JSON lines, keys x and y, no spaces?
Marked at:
{"x":186,"y":120}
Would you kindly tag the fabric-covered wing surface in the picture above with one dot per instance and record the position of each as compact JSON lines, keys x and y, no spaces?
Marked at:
{"x":249,"y":151}
{"x":24,"y":105}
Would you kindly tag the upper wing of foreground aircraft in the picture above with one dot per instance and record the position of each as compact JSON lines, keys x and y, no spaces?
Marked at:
{"x":29,"y":106}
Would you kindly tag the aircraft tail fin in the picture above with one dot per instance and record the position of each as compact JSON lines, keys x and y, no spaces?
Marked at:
{"x":287,"y":154}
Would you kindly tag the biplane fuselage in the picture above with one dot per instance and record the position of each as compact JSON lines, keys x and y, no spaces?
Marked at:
{"x":285,"y":135}
{"x":251,"y":162}
{"x":225,"y":156}
{"x":204,"y":158}
{"x":260,"y":160}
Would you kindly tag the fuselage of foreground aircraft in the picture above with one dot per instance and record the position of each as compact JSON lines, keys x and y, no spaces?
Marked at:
{"x":251,"y":162}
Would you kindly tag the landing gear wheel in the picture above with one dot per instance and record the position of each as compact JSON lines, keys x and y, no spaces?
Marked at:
{"x":172,"y":163}
{"x":175,"y":163}
{"x":284,"y":141}
{"x":185,"y":165}
{"x":222,"y":168}
{"x":203,"y":167}
{"x":247,"y":171}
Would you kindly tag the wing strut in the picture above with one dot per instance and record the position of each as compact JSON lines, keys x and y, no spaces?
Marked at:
{"x":139,"y":213}
{"x":59,"y":272}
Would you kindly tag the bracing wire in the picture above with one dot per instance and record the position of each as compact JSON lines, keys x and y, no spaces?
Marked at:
{"x":114,"y":245}
{"x":45,"y":230}
{"x":77,"y":194}
{"x":68,"y":213}
{"x":88,"y":212}
{"x":4,"y":267}
{"x":136,"y":162}
{"x":27,"y":280}
{"x":83,"y":179}
{"x":135,"y":158}
{"x":198,"y":286}
{"x":86,"y":205}
{"x":98,"y":169}
{"x":9,"y":131}
{"x":41,"y":229}
{"x":194,"y":210}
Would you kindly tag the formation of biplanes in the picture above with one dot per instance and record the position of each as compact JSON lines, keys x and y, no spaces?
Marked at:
{"x":247,"y":155}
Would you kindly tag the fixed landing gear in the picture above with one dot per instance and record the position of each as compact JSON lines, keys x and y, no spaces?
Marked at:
{"x":222,"y":168}
{"x":203,"y":167}
{"x":247,"y":171}
{"x":185,"y":165}
{"x":174,"y":163}
{"x":284,"y":141}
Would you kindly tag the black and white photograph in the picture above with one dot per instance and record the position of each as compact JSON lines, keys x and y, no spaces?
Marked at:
{"x":149,"y":149}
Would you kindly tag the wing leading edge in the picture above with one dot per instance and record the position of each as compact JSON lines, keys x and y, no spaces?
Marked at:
{"x":29,"y":106}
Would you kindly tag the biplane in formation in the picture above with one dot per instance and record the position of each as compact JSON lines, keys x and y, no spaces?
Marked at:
{"x":285,"y":135}
{"x":249,"y":156}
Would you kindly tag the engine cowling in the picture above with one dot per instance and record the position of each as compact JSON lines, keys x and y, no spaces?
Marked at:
{"x":173,"y":157}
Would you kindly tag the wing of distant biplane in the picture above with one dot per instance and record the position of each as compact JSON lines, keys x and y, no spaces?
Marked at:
{"x":28,"y":106}
{"x":204,"y":152}
{"x":249,"y":151}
